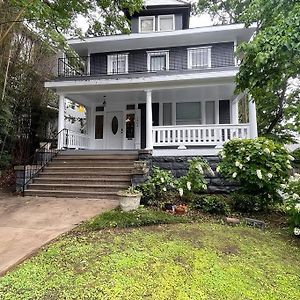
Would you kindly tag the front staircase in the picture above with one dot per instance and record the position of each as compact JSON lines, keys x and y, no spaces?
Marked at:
{"x":93,"y":175}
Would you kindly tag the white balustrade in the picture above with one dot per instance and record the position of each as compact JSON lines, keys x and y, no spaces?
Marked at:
{"x":198,"y":135}
{"x":74,"y":140}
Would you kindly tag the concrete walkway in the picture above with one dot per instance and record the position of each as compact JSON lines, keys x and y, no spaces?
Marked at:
{"x":26,"y":224}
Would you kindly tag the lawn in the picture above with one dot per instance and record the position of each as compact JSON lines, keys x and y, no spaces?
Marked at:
{"x":201,"y":260}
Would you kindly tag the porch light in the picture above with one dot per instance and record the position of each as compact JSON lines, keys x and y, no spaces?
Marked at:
{"x":104,"y":101}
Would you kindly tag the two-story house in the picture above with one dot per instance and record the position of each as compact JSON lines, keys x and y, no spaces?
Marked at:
{"x":164,"y":87}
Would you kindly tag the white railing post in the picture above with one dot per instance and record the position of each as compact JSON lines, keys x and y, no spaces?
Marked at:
{"x":253,"y":119}
{"x":149,"y":135}
{"x":61,"y":121}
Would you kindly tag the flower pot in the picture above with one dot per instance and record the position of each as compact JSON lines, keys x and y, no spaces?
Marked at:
{"x":129,"y":202}
{"x":181,"y":210}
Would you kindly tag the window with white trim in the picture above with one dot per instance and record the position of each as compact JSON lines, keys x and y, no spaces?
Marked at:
{"x":147,"y":24}
{"x":166,"y":23}
{"x":199,"y":58}
{"x":188,"y":113}
{"x":117,"y":64}
{"x":158,"y":61}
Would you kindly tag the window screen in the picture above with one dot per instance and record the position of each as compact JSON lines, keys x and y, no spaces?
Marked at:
{"x":199,"y":58}
{"x":188,"y":113}
{"x":147,"y":24}
{"x":210,"y":112}
{"x":167,"y":114}
{"x":166,"y":23}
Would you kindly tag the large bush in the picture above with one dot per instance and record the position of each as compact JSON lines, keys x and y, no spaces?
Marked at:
{"x":259,"y":165}
{"x":291,"y":196}
{"x":157,"y":186}
{"x":194,"y":181}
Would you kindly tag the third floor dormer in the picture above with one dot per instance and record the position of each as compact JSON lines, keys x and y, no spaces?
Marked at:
{"x":161,"y":16}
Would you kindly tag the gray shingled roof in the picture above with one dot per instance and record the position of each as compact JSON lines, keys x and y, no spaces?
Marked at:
{"x":164,"y":2}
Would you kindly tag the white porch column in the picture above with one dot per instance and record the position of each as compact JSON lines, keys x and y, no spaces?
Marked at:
{"x":235,"y":112}
{"x":61,"y":121}
{"x":149,"y":139}
{"x":253,"y":119}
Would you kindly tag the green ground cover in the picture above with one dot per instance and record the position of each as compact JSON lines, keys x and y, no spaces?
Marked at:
{"x":201,"y":260}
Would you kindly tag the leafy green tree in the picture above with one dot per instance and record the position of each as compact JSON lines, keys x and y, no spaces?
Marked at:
{"x":223,"y":11}
{"x":270,"y":62}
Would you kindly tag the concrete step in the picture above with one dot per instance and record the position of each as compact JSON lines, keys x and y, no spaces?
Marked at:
{"x":96,"y":163}
{"x":74,"y":174}
{"x":118,"y":180}
{"x":72,"y":194}
{"x":96,"y":157}
{"x":78,"y":187}
{"x":91,"y":168}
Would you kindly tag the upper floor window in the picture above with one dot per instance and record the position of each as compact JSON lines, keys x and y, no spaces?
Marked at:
{"x":166,"y":23}
{"x":158,"y":61}
{"x":199,"y":58}
{"x":117,"y":64}
{"x":147,"y":24}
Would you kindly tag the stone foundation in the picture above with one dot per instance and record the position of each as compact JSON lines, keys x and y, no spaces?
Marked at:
{"x":178,"y":165}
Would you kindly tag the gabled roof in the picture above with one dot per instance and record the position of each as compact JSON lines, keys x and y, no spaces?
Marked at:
{"x":165,"y":3}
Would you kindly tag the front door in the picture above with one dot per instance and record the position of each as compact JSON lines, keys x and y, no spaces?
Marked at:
{"x":114,"y":130}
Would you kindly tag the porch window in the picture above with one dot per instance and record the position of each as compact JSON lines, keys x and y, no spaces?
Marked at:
{"x":166,"y":23}
{"x":117,"y":64}
{"x":199,"y":58}
{"x":99,"y":127}
{"x":158,"y":61}
{"x":167,"y":114}
{"x":147,"y":24}
{"x":130,"y":126}
{"x":210,"y":112}
{"x":188,"y":113}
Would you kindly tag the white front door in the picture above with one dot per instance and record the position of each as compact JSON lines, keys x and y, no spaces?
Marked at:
{"x":114,"y":130}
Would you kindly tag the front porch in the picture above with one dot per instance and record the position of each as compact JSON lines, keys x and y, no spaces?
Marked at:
{"x":178,"y":121}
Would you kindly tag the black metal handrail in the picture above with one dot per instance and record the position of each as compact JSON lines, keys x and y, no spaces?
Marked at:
{"x":140,"y":63}
{"x":41,"y":158}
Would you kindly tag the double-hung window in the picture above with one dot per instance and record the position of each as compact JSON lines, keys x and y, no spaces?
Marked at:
{"x":199,"y":58}
{"x":166,"y":23}
{"x":117,"y":64}
{"x":158,"y":61}
{"x":147,"y":24}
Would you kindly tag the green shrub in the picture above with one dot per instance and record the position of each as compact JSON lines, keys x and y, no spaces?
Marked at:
{"x":296,"y":155}
{"x":259,"y":165}
{"x":194,"y":181}
{"x":291,"y":196}
{"x":249,"y":203}
{"x":5,"y":161}
{"x":213,"y":204}
{"x":157,"y":186}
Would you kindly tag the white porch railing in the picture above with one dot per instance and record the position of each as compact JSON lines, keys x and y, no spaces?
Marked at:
{"x":198,"y":135}
{"x":75,"y":140}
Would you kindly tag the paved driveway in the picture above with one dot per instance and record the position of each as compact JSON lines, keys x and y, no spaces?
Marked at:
{"x":28,"y":223}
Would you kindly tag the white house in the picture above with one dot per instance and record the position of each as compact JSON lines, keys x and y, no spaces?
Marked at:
{"x":164,"y":87}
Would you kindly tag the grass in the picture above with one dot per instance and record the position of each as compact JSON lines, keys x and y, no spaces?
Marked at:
{"x":141,"y":217}
{"x":204,"y":260}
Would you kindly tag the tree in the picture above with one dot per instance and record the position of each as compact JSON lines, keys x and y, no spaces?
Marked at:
{"x":223,"y":11}
{"x":270,"y":65}
{"x":270,"y":62}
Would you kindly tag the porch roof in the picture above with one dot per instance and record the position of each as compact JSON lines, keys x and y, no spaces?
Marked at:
{"x":179,"y":94}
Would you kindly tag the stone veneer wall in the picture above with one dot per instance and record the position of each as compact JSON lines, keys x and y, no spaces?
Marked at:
{"x":178,"y":165}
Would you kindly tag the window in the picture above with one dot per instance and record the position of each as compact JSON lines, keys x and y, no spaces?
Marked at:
{"x":130,"y":126}
{"x":167,"y":114}
{"x":99,"y":108}
{"x":188,"y":113}
{"x":99,"y":127}
{"x":199,"y":58}
{"x":210,"y":112}
{"x":147,"y":24}
{"x":166,"y":23}
{"x":130,"y":107}
{"x":158,"y":61}
{"x":117,"y":64}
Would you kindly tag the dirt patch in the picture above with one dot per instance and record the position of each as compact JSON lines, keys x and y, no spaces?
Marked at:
{"x":230,"y":250}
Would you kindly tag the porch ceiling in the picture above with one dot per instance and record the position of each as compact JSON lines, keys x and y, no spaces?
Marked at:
{"x":216,"y":92}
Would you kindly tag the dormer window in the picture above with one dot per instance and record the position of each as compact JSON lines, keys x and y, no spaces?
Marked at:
{"x":147,"y":24}
{"x":199,"y":58}
{"x":166,"y":23}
